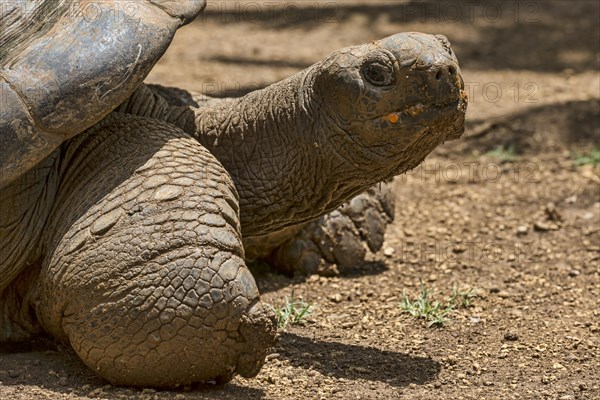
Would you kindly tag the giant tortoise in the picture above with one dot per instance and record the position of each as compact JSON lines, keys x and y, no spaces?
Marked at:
{"x":124,"y":205}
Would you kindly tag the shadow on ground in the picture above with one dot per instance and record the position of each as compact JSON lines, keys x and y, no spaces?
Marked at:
{"x":349,"y":361}
{"x":534,"y":35}
{"x":535,"y":130}
{"x":269,"y":280}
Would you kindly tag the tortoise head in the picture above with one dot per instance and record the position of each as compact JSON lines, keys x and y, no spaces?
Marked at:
{"x":394,"y":99}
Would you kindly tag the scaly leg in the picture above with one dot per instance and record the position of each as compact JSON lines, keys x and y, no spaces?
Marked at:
{"x":145,"y":274}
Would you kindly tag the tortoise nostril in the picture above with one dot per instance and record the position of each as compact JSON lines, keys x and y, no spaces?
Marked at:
{"x":452,"y":70}
{"x":438,"y":75}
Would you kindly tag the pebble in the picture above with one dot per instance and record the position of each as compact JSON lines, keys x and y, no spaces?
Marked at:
{"x":540,"y":347}
{"x":336,"y":298}
{"x":452,"y":359}
{"x":544,"y":226}
{"x":389,"y":251}
{"x":573,"y":273}
{"x":522,"y":230}
{"x":511,"y":336}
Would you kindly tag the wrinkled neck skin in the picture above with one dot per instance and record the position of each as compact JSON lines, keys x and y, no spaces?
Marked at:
{"x":278,"y":144}
{"x":268,"y":146}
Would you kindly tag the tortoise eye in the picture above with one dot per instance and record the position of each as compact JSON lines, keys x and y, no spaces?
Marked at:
{"x":377,"y":74}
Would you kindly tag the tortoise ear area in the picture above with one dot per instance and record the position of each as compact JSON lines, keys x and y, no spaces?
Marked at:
{"x":338,"y":79}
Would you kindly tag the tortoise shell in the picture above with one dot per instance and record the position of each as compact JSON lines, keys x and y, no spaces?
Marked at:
{"x":64,"y":65}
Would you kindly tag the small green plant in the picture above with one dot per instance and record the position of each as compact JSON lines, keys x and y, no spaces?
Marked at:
{"x":461,"y":299}
{"x":434,"y":311}
{"x":503,"y":153}
{"x":591,"y":157}
{"x":292,"y":310}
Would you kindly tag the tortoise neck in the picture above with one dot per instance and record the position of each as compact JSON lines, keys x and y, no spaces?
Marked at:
{"x":271,"y":141}
{"x":268,"y":141}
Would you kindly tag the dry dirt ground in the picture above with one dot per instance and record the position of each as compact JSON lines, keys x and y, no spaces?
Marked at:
{"x":520,"y":226}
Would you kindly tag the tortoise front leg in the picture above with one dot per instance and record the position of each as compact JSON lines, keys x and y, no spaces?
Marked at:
{"x":335,"y":243}
{"x":145,"y":275}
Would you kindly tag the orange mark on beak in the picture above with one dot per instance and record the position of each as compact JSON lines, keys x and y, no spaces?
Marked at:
{"x":393,"y":118}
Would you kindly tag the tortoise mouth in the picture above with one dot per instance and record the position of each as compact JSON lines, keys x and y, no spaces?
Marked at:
{"x":419,"y":112}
